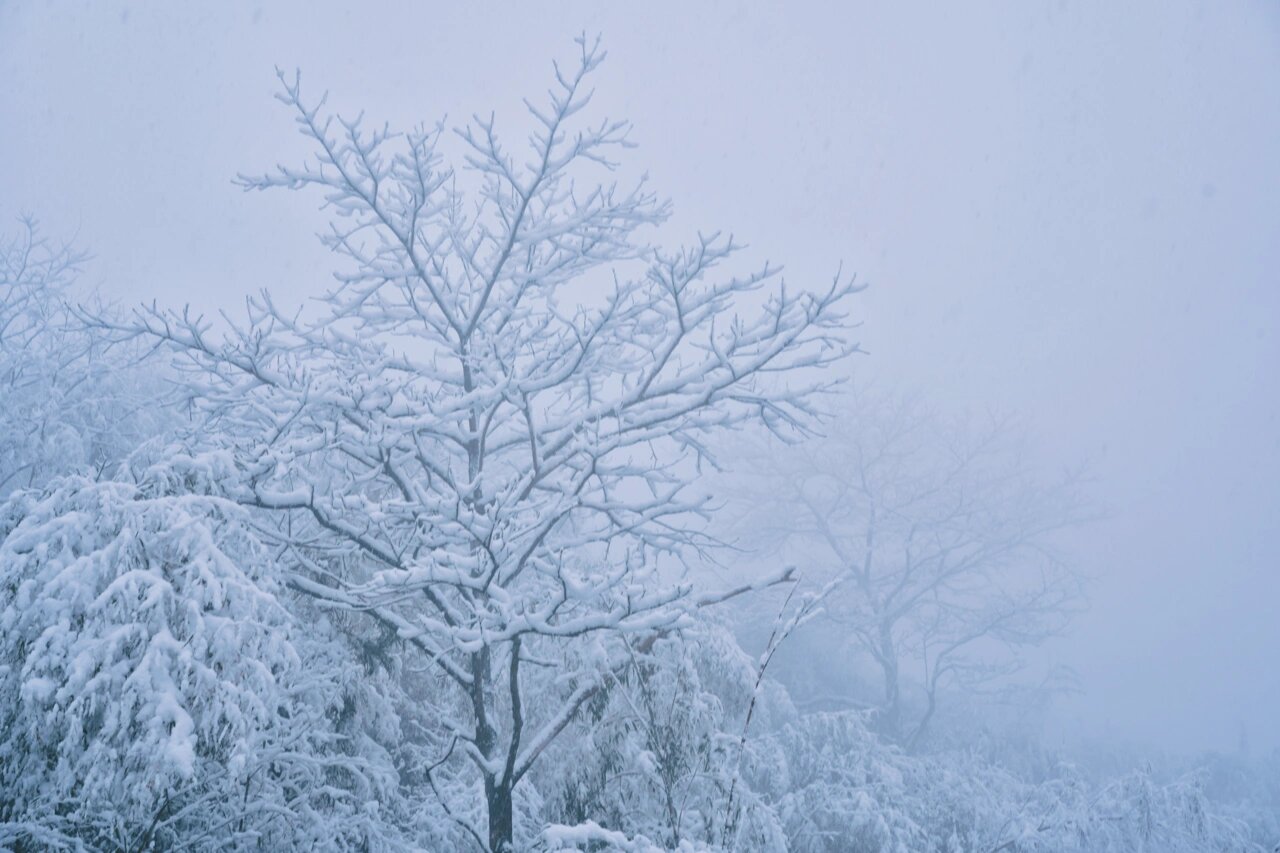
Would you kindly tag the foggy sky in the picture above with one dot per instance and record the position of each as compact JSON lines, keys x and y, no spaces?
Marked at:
{"x":1068,"y":210}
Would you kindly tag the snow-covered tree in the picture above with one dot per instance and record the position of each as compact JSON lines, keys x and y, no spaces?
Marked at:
{"x":155,"y":692}
{"x":487,"y":438}
{"x":939,"y":535}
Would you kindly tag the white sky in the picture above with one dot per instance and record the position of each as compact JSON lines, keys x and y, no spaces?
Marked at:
{"x":1071,"y":210}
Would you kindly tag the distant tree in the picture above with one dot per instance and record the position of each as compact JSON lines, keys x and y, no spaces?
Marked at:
{"x":66,"y":403}
{"x":486,"y":440}
{"x":942,"y":538}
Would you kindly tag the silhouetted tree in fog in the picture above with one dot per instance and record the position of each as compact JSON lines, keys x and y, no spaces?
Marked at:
{"x":943,"y":539}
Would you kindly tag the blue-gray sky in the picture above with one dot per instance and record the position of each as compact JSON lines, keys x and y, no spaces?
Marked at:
{"x":1070,"y":210}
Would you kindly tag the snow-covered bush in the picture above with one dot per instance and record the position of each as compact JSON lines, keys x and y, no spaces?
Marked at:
{"x":836,"y":785}
{"x":652,"y":760}
{"x":154,"y":689}
{"x":655,"y":755}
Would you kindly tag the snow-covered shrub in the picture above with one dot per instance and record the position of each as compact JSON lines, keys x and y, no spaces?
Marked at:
{"x":155,"y":691}
{"x":835,"y":785}
{"x":654,"y":757}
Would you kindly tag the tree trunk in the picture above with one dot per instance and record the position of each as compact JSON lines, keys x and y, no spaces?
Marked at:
{"x":892,"y":693}
{"x":497,"y":793}
{"x":918,"y":733}
{"x":501,"y":834}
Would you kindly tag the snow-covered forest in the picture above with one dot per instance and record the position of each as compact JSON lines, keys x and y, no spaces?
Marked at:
{"x":543,"y":522}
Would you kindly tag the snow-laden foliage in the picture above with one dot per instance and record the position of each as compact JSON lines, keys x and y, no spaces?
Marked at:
{"x":162,"y":689}
{"x":656,"y":753}
{"x":837,"y":786}
{"x":666,"y":732}
{"x":154,"y":689}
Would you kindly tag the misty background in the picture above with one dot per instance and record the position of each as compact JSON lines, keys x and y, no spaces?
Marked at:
{"x":1068,"y":211}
